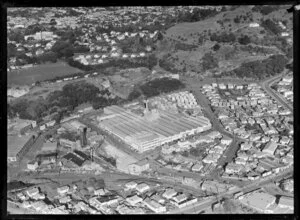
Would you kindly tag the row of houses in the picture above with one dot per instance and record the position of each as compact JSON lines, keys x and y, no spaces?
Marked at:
{"x":236,"y":113}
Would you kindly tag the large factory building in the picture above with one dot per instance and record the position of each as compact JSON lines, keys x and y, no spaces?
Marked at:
{"x":155,"y":128}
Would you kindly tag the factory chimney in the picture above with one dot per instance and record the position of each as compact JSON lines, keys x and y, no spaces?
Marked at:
{"x":146,"y":105}
{"x":92,"y":154}
{"x":83,"y":139}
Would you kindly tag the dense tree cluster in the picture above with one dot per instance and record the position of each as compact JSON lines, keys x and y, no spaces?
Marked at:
{"x":158,"y":86}
{"x":196,"y":151}
{"x":184,"y":47}
{"x":196,"y":15}
{"x":20,"y":108}
{"x":148,"y":62}
{"x":167,"y":65}
{"x":271,"y":26}
{"x":63,"y":49}
{"x":81,"y":49}
{"x":131,"y":28}
{"x":73,"y":12}
{"x":261,"y":69}
{"x":17,"y":185}
{"x":265,"y":9}
{"x":10,"y":111}
{"x":243,"y":18}
{"x":216,"y":47}
{"x":62,"y":101}
{"x":236,"y":19}
{"x":135,"y":44}
{"x":223,"y":37}
{"x":47,"y":57}
{"x":34,"y":28}
{"x":16,"y":36}
{"x":201,"y":39}
{"x":244,"y":40}
{"x":289,"y":52}
{"x":11,"y":50}
{"x":77,"y":64}
{"x":209,"y":61}
{"x":134,"y":94}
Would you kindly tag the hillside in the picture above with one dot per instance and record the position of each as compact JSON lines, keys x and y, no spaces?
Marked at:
{"x":223,"y":42}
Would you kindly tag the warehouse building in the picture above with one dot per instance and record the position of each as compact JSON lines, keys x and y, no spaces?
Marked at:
{"x":258,"y":200}
{"x":155,"y":128}
{"x":270,"y":147}
{"x":18,"y":146}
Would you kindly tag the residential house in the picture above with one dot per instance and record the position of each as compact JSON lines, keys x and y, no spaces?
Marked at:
{"x":142,"y":187}
{"x":33,"y":165}
{"x":63,"y":190}
{"x":133,"y":200}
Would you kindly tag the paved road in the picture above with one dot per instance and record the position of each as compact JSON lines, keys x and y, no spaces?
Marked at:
{"x":201,"y":205}
{"x":205,"y":104}
{"x":266,"y":86}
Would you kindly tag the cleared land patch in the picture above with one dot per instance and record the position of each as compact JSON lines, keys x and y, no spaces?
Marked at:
{"x":39,"y":73}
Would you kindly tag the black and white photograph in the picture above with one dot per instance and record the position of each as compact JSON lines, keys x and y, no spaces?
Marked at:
{"x":150,"y":110}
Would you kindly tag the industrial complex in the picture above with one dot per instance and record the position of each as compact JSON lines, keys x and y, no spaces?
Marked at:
{"x":155,"y":128}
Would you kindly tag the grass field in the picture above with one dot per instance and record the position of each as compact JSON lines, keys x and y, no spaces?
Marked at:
{"x":39,"y":73}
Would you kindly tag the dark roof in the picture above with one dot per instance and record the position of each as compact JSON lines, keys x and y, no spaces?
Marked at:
{"x":82,"y":154}
{"x":75,"y":159}
{"x":106,"y":198}
{"x":46,"y":155}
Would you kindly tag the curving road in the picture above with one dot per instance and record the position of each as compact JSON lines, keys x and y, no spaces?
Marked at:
{"x":266,"y":87}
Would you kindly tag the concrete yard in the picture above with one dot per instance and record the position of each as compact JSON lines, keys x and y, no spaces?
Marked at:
{"x":123,"y":159}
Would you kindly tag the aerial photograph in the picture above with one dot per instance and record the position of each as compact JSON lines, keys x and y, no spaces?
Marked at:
{"x":150,"y":110}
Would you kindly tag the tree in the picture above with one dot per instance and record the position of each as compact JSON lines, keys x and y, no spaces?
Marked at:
{"x":62,"y":49}
{"x":134,"y":94}
{"x":99,"y":102}
{"x":236,"y":20}
{"x":209,"y":62}
{"x":160,"y":37}
{"x":16,"y":36}
{"x":195,"y":152}
{"x":11,"y":50}
{"x":271,"y":26}
{"x":10,"y":111}
{"x":260,"y":69}
{"x":158,"y":86}
{"x":265,"y":10}
{"x":223,"y":37}
{"x":289,"y":52}
{"x":53,"y":22}
{"x":216,"y":47}
{"x":244,"y":40}
{"x":81,"y":49}
{"x":185,"y":153}
{"x":47,"y":57}
{"x":68,"y":36}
